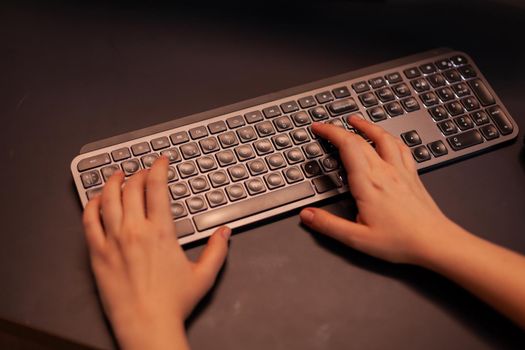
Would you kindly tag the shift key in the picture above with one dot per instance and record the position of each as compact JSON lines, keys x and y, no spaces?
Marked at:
{"x":464,"y":140}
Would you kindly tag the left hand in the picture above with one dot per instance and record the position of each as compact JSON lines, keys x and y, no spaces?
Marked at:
{"x":147,"y":285}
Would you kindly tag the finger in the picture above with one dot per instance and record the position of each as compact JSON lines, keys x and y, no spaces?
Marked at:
{"x":111,"y":203}
{"x":133,"y":203}
{"x":93,"y":230}
{"x":352,"y":148}
{"x":385,"y":143}
{"x":406,"y":157}
{"x":213,"y":256}
{"x":331,"y":225}
{"x":157,"y":196}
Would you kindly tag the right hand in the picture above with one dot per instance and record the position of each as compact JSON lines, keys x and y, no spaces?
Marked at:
{"x":398,"y":220}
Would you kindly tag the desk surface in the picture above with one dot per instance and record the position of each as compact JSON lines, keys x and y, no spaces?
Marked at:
{"x":71,"y":75}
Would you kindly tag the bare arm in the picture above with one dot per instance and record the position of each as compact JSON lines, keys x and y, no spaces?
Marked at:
{"x":398,"y":221}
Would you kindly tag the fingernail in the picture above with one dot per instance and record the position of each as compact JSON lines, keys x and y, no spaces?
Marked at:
{"x":307,"y":215}
{"x":226,"y":232}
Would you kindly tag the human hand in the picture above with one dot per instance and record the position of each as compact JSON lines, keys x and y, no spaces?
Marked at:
{"x":398,"y":220}
{"x":147,"y":285}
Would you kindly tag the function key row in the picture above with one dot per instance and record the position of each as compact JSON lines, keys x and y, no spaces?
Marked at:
{"x":377,"y":82}
{"x":444,"y":64}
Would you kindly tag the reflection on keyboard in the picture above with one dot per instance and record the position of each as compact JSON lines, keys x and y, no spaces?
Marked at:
{"x":260,"y":158}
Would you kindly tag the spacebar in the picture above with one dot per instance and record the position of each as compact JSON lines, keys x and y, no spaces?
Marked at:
{"x":253,"y":206}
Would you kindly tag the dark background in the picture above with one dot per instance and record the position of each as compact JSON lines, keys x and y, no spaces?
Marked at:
{"x":72,"y":73}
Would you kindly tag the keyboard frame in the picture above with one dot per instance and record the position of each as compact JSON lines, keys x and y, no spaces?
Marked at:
{"x":427,"y":130}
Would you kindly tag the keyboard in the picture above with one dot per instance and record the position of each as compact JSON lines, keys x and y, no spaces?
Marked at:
{"x":255,"y":159}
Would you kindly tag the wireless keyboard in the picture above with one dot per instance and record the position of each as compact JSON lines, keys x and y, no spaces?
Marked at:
{"x":251,"y":160}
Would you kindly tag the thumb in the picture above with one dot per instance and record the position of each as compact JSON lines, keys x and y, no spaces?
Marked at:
{"x":212,"y":257}
{"x":332,"y":225}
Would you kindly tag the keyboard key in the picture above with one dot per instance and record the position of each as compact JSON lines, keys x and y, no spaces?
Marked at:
{"x":324,"y":97}
{"x":452,"y":76}
{"x":301,"y":118}
{"x":93,"y":192}
{"x":368,"y":99}
{"x":361,"y":86}
{"x":274,"y":180}
{"x":464,"y":140}
{"x":235,"y":122}
{"x":290,"y":106}
{"x":190,"y":150}
{"x":377,"y":82}
{"x":216,"y":198}
{"x":217,"y":127}
{"x":199,"y":184}
{"x":209,"y":144}
{"x":489,"y":132}
{"x":394,"y":109}
{"x":93,"y":162}
{"x":299,"y":136}
{"x":275,"y":161}
{"x":326,"y":183}
{"x":329,"y":163}
{"x":237,"y":172}
{"x":443,"y":64}
{"x":160,"y":143}
{"x":91,"y":178}
{"x":184,"y":228}
{"x":196,"y":204}
{"x":464,"y":122}
{"x":307,"y":102}
{"x":263,"y":146}
{"x":410,"y":104}
{"x":311,"y":168}
{"x":411,"y":138}
{"x":225,"y":157}
{"x":293,"y":174}
{"x":385,"y":94}
{"x":108,"y":171}
{"x":467,"y":72}
{"x":178,"y":210}
{"x":265,"y":129}
{"x":401,"y":90}
{"x":312,"y":150}
{"x":294,"y":155}
{"x":481,"y":91}
{"x":179,"y":137}
{"x":480,"y":117}
{"x":257,"y":166}
{"x":206,"y":163}
{"x":341,"y":92}
{"x":218,"y":178}
{"x":244,"y":152}
{"x":235,"y":192}
{"x":421,"y":154}
{"x":130,"y":167}
{"x":438,"y":148}
{"x":412,"y":72}
{"x":271,"y":112}
{"x":470,"y":103}
{"x":318,"y":113}
{"x":172,"y":174}
{"x":228,"y":139}
{"x":438,"y":113}
{"x":393,"y":78}
{"x":447,"y":127}
{"x":253,"y":117}
{"x":179,"y":190}
{"x":420,"y":85}
{"x":428,"y":68}
{"x":281,"y":141}
{"x":342,"y":106}
{"x":445,"y":94}
{"x":120,"y":154}
{"x":261,"y":203}
{"x":500,"y":119}
{"x":454,"y":108}
{"x":461,"y":89}
{"x":255,"y":186}
{"x":283,"y":123}
{"x":247,"y":133}
{"x":459,"y":60}
{"x":376,"y":114}
{"x":429,"y":99}
{"x":436,"y":80}
{"x":187,"y":169}
{"x":172,"y":154}
{"x":149,"y":159}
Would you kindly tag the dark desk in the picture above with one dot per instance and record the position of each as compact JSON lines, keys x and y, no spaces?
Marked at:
{"x":71,"y":75}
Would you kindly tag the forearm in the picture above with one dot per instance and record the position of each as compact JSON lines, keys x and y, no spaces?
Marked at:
{"x":494,"y":274}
